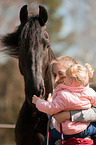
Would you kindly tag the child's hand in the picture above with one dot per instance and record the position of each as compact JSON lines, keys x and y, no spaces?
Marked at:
{"x":34,"y":99}
{"x":49,"y":99}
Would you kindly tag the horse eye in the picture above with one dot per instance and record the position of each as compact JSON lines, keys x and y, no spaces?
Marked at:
{"x":48,"y":46}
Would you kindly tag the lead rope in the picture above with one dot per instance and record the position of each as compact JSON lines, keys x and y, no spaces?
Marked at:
{"x":48,"y":126}
{"x":62,"y":137}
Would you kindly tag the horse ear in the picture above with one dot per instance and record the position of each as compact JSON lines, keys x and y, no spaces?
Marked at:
{"x":43,"y":15}
{"x":23,"y":14}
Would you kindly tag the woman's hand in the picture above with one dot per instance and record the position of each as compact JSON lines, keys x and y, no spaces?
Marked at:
{"x":34,"y":99}
{"x":62,"y":116}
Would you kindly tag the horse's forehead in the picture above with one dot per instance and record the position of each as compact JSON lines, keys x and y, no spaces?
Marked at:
{"x":34,"y":40}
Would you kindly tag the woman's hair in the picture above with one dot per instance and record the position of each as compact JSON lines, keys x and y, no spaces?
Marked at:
{"x":80,"y":73}
{"x":64,"y":61}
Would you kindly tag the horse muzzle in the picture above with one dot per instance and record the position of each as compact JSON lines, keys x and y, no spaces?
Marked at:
{"x":32,"y":88}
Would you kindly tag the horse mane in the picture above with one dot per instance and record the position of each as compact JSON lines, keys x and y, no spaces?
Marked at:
{"x":29,"y":31}
{"x":9,"y":43}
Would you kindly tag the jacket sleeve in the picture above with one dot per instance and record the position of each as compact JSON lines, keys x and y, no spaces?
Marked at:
{"x":57,"y":105}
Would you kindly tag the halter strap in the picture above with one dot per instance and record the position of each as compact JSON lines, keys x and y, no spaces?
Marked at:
{"x":61,"y":132}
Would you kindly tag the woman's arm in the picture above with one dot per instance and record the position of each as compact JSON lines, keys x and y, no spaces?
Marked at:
{"x":62,"y":116}
{"x":88,"y":115}
{"x":77,"y":115}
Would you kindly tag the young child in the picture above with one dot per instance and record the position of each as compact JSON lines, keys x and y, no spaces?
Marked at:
{"x":75,"y":94}
{"x":59,"y":68}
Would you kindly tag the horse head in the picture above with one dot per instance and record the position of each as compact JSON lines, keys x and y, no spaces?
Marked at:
{"x":30,"y":44}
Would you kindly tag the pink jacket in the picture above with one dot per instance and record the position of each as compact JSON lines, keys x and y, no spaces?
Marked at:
{"x":69,"y":98}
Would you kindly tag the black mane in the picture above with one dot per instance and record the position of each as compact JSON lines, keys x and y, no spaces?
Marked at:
{"x":11,"y":42}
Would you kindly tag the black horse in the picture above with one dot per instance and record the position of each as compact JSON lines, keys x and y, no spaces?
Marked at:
{"x":30,"y":45}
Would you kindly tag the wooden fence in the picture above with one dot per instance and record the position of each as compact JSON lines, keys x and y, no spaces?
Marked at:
{"x":7,"y":125}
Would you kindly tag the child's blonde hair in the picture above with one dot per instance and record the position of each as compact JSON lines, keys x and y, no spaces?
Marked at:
{"x":64,"y":61}
{"x":80,"y":73}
